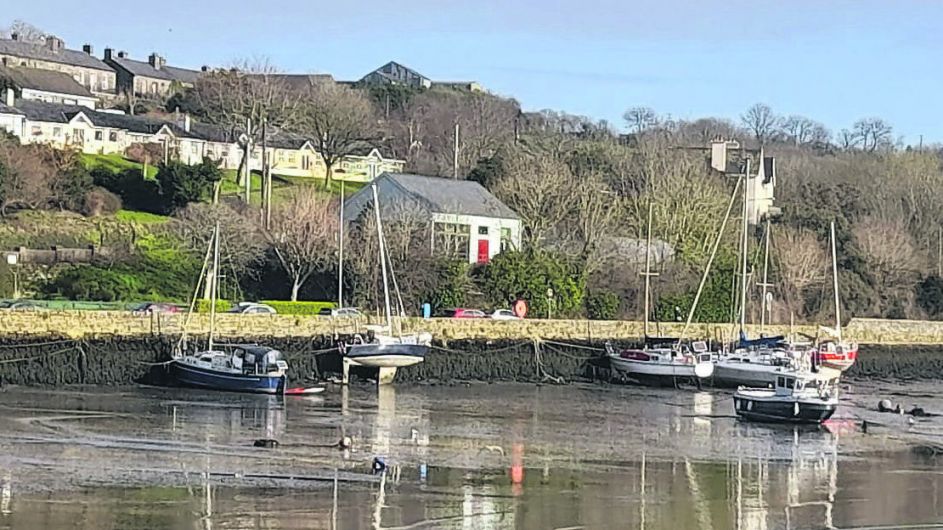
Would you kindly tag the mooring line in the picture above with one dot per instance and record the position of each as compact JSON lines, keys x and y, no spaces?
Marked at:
{"x":22,"y":359}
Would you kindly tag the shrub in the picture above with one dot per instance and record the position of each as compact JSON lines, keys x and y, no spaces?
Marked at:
{"x":181,"y":184}
{"x":528,"y":275}
{"x":298,"y":308}
{"x":450,"y":284}
{"x":602,"y":305}
{"x":203,"y":306}
{"x":136,"y":192}
{"x":930,"y":295}
{"x":100,"y":201}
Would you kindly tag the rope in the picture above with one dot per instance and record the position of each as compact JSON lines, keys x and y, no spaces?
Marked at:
{"x":499,"y":350}
{"x":155,"y":364}
{"x":578,"y":346}
{"x":540,"y":366}
{"x":36,"y":344}
{"x":570,"y":355}
{"x":22,"y":359}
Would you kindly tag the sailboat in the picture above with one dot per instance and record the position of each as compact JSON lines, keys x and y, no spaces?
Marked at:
{"x":247,"y":368}
{"x":836,"y":353}
{"x":380,"y":347}
{"x":661,"y":361}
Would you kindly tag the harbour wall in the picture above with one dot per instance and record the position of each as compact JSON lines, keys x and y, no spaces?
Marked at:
{"x":119,"y":360}
{"x":96,"y":324}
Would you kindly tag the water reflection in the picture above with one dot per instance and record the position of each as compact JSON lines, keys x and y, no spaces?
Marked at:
{"x":470,"y":458}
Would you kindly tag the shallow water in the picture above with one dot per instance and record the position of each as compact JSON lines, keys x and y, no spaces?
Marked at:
{"x":465,"y":457}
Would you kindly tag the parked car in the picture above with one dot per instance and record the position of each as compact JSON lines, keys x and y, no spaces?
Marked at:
{"x":341,"y":312}
{"x":504,"y":314}
{"x":20,"y":305}
{"x":252,"y":308}
{"x":150,"y":308}
{"x":463,"y":313}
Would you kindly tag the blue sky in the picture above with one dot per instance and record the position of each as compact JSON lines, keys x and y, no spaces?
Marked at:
{"x":833,"y":60}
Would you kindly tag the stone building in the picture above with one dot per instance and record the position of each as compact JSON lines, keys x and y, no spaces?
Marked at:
{"x":151,"y":79}
{"x":83,"y":66}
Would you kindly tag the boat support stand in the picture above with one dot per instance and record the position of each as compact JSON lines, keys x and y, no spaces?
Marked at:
{"x":385,"y":377}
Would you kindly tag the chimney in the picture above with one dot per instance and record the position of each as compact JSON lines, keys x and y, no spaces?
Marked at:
{"x":87,"y":48}
{"x":186,"y":122}
{"x":122,"y":54}
{"x":9,"y":97}
{"x":719,"y":154}
{"x":204,"y":68}
{"x":54,"y":43}
{"x":156,"y":61}
{"x":108,"y":52}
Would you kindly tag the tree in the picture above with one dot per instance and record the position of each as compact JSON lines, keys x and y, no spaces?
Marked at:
{"x":874,"y":133}
{"x":640,"y":119}
{"x":338,"y":120}
{"x":802,"y":264}
{"x":892,"y":258}
{"x":303,"y":235}
{"x":761,"y":121}
{"x":24,"y":32}
{"x":528,"y":275}
{"x":542,"y":190}
{"x":804,"y":131}
{"x":180,"y":184}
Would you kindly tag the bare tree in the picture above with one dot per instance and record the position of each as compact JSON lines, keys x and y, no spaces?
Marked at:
{"x":247,"y":100}
{"x":804,"y":131}
{"x":892,"y":257}
{"x":874,"y":133}
{"x":801,"y":260}
{"x":640,"y":119}
{"x":27,"y":175}
{"x":337,"y":120}
{"x":761,"y":121}
{"x":848,"y":140}
{"x":24,"y":31}
{"x":303,"y":235}
{"x":542,"y":190}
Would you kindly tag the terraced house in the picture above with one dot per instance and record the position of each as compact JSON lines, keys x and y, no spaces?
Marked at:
{"x":150,"y":79}
{"x":46,"y":85}
{"x":87,"y":70}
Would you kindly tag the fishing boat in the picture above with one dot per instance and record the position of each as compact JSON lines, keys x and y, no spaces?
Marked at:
{"x":246,"y":368}
{"x":381,"y":347}
{"x":661,"y":361}
{"x":794,"y":398}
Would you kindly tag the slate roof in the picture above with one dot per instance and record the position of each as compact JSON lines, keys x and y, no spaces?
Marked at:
{"x":9,"y":110}
{"x":40,"y":52}
{"x":449,"y":196}
{"x":144,"y":69}
{"x":44,"y":80}
{"x":58,"y":113}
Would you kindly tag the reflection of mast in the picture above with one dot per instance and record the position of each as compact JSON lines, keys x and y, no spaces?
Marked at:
{"x":378,"y":508}
{"x":703,"y":516}
{"x":641,"y":510}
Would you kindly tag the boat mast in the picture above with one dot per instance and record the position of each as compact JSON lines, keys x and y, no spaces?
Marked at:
{"x":710,"y":261}
{"x":214,"y":287}
{"x":743,"y":252}
{"x":340,"y":254}
{"x":386,"y":287}
{"x":765,"y":285}
{"x":648,"y":269}
{"x":835,"y":284}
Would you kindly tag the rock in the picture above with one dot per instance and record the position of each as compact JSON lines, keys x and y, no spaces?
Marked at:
{"x":885,"y":405}
{"x":346,"y":442}
{"x":265,"y":442}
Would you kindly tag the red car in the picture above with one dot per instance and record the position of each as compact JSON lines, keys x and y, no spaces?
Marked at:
{"x":463,"y":313}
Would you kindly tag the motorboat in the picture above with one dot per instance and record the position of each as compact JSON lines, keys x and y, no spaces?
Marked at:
{"x":247,"y":368}
{"x":662,"y":364}
{"x":836,"y":354}
{"x":802,"y":397}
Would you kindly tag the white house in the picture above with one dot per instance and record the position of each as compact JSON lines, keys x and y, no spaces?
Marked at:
{"x":43,"y":85}
{"x":467,"y":221}
{"x":726,"y":156}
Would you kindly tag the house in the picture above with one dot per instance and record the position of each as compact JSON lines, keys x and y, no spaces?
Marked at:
{"x":151,"y":79}
{"x":365,"y":164}
{"x":393,"y":73}
{"x":11,"y":120}
{"x":46,"y":85}
{"x":466,"y":220}
{"x":729,"y":158}
{"x":83,"y":66}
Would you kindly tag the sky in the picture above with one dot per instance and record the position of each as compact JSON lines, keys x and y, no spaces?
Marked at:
{"x":834,"y":61}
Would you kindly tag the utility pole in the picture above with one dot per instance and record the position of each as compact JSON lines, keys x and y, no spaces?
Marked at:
{"x":455,"y":154}
{"x":939,"y":258}
{"x":266,"y":182}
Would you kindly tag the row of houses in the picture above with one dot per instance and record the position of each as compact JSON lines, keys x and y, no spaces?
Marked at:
{"x":72,"y":126}
{"x":116,"y":74}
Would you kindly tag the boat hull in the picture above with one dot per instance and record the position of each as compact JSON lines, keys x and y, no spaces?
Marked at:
{"x":735,"y":375}
{"x":783,"y":411}
{"x":198,"y":377}
{"x":386,"y":355}
{"x":653,"y":372}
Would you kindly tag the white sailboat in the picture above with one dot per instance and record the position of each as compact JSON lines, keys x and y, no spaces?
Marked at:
{"x":836,"y":353}
{"x":661,"y":361}
{"x":381,"y":347}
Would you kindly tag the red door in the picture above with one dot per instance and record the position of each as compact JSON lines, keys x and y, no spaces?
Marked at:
{"x":483,"y":254}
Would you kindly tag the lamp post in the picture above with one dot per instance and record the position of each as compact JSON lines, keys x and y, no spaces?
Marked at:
{"x":12,"y":260}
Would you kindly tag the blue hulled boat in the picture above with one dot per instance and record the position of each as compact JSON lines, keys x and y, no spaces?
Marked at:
{"x":255,"y":369}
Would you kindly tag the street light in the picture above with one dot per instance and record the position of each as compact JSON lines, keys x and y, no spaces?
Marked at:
{"x":12,"y":260}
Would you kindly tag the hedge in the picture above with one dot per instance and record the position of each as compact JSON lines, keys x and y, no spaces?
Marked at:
{"x":203,"y":306}
{"x":284,"y":307}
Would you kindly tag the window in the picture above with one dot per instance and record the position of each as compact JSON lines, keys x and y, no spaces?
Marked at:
{"x":780,"y":381}
{"x":194,"y":149}
{"x":291,"y":158}
{"x":506,"y":242}
{"x":225,"y":153}
{"x":482,"y":230}
{"x":113,"y":136}
{"x":451,"y":239}
{"x":99,"y":136}
{"x":57,"y":131}
{"x":35,"y":130}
